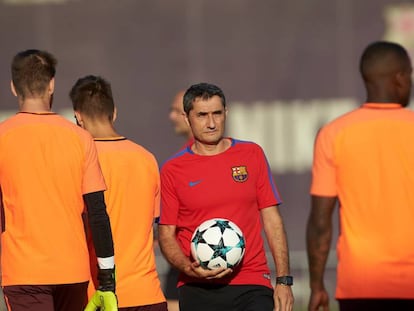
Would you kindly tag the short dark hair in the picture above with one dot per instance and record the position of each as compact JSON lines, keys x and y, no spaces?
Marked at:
{"x":92,"y":95}
{"x":204,"y":91}
{"x":375,"y":53}
{"x":32,"y":71}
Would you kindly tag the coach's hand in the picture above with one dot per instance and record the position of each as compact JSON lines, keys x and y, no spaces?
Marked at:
{"x":195,"y":270}
{"x":283,"y":298}
{"x":105,"y":301}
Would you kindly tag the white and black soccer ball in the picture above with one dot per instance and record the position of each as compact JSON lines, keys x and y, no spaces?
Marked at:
{"x":218,"y":242}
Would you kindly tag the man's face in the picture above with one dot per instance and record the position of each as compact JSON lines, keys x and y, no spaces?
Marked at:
{"x":177,"y":116}
{"x":207,"y":120}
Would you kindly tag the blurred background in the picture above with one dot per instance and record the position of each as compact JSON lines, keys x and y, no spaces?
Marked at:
{"x":286,"y":68}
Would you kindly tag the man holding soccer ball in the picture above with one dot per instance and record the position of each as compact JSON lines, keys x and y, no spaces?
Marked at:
{"x":221,"y":177}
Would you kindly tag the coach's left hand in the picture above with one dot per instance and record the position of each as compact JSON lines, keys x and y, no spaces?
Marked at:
{"x":283,"y":297}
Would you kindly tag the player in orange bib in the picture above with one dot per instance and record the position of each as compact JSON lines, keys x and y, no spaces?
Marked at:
{"x":365,"y":161}
{"x":133,"y":196}
{"x":49,"y":169}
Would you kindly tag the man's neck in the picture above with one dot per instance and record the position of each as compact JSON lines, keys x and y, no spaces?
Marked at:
{"x":100,"y":130}
{"x":34,"y":105}
{"x":211,"y":149}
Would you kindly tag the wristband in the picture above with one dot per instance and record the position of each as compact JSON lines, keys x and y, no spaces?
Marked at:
{"x":285,"y":280}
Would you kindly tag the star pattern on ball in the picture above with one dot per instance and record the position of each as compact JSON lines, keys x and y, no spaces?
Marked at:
{"x":218,"y":243}
{"x":242,"y":243}
{"x":219,"y":249}
{"x":198,"y":237}
{"x":223,"y":225}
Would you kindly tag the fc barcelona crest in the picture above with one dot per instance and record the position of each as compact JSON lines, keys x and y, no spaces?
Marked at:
{"x":239,"y":173}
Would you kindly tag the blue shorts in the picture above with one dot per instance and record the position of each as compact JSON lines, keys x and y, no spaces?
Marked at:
{"x":208,"y":297}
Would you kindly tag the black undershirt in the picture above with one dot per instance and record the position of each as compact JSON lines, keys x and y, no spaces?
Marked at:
{"x":99,"y":224}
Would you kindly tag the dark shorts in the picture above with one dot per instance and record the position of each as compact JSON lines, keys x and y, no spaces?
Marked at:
{"x":203,"y":297}
{"x":376,"y":304}
{"x":63,"y":297}
{"x":155,"y":307}
{"x":170,"y":289}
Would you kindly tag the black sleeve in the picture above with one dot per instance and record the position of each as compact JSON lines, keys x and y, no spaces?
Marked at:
{"x":99,"y":224}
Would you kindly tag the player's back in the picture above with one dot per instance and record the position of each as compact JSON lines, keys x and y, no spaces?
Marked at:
{"x":132,"y":176}
{"x":42,"y":167}
{"x":372,"y":151}
{"x":374,"y":157}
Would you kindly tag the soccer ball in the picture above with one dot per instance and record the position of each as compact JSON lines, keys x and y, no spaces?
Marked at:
{"x":218,"y":243}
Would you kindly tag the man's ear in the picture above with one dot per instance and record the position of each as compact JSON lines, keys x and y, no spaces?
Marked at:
{"x":79,"y":120}
{"x":187,"y":120}
{"x":13,"y":89}
{"x":401,"y":77}
{"x":51,"y":86}
{"x":115,"y":114}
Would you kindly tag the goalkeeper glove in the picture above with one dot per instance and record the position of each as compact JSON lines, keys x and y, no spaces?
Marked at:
{"x":104,"y":298}
{"x":103,"y":301}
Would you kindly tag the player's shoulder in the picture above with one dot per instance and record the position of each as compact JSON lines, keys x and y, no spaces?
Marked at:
{"x":134,"y":145}
{"x":361,"y":115}
{"x":4,"y":124}
{"x":408,"y":114}
{"x":76,"y":129}
{"x":340,"y":122}
{"x":344,"y":118}
{"x":123,"y":145}
{"x":143,"y":151}
{"x":73,"y":132}
{"x":55,"y":120}
{"x":7,"y":125}
{"x":59,"y":121}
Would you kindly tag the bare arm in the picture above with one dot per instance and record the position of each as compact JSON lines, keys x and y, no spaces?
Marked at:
{"x":174,"y":255}
{"x":276,"y":237}
{"x":318,"y":240}
{"x":100,"y":225}
{"x":170,"y":248}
